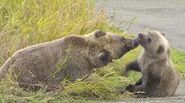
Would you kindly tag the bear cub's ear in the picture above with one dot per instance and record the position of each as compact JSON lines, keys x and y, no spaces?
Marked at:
{"x":163,"y":34}
{"x":161,"y":49}
{"x":99,"y":33}
{"x":104,"y":56}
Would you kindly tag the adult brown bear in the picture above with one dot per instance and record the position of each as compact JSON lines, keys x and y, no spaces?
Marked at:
{"x":69,"y":57}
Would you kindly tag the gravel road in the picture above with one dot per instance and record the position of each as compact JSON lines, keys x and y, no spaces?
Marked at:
{"x":164,"y":15}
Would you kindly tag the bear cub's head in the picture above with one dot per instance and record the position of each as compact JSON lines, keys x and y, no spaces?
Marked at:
{"x":154,"y":42}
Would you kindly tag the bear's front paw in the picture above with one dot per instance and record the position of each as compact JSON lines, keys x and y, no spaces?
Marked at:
{"x":130,"y":88}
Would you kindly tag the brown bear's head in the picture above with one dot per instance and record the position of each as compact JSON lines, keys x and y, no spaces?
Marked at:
{"x":112,"y":46}
{"x":154,"y":42}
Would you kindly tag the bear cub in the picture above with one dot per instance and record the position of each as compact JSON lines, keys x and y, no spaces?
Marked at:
{"x":159,"y":76}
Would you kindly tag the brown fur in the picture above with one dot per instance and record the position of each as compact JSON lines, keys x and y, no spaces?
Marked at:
{"x":159,"y":77}
{"x":70,"y":57}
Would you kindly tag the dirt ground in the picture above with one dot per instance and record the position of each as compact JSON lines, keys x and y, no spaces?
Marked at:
{"x":178,"y":98}
{"x":164,"y":15}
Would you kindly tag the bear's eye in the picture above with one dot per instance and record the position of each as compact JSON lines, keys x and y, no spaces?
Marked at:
{"x":161,"y":49}
{"x":127,"y":46}
{"x":149,"y":40}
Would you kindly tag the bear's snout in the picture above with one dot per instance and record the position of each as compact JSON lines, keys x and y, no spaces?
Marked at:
{"x":140,"y":35}
{"x":141,"y":38}
{"x":135,"y":42}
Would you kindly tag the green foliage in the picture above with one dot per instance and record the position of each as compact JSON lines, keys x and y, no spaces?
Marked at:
{"x":179,"y":61}
{"x":28,"y":22}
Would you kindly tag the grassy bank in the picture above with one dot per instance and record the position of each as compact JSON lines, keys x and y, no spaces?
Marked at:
{"x":28,"y":22}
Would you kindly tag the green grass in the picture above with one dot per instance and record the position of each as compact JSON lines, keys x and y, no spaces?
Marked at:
{"x":178,"y":58}
{"x":28,"y":22}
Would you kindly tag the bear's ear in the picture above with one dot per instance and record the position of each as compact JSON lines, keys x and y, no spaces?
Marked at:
{"x":160,"y":49}
{"x":104,"y":56}
{"x":99,"y":33}
{"x":163,"y":34}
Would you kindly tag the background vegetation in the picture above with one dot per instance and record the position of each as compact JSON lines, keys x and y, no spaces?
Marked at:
{"x":28,"y":22}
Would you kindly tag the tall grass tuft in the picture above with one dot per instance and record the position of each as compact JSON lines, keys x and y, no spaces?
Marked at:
{"x":28,"y":22}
